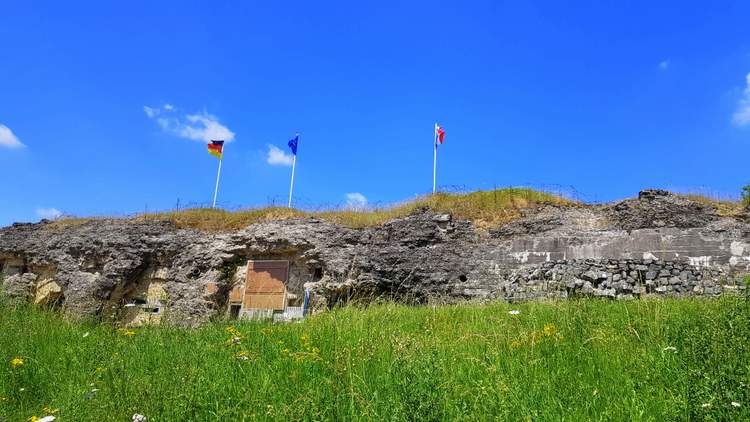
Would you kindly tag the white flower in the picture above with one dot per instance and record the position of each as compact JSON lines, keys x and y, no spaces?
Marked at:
{"x":236,"y":340}
{"x":514,"y":312}
{"x":704,"y":405}
{"x":242,"y":357}
{"x":669,"y":349}
{"x":86,"y":334}
{"x":735,"y":404}
{"x":47,"y":419}
{"x":139,"y":418}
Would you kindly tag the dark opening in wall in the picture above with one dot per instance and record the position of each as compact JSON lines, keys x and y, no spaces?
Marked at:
{"x":234,"y":311}
{"x":462,"y":278}
{"x":318,"y":274}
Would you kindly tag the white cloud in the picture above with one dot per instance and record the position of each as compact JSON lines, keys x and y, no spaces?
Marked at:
{"x":741,"y":117}
{"x":277,"y":157}
{"x":151,"y":112}
{"x":202,"y":126}
{"x":664,"y":64}
{"x":8,"y":139}
{"x":355,"y":201}
{"x":48,"y":213}
{"x":205,"y":127}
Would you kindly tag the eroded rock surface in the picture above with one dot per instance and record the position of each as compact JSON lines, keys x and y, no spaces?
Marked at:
{"x":657,"y":244}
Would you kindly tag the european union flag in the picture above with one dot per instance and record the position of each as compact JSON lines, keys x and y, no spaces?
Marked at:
{"x":293,"y":144}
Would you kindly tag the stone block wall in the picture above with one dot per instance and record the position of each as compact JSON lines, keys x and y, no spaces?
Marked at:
{"x":617,"y":279}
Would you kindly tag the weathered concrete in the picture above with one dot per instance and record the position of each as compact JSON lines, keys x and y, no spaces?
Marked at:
{"x":658,"y":244}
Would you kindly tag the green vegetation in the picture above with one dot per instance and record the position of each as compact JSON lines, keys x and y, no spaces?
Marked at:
{"x":746,"y":195}
{"x":574,"y":360}
{"x":485,"y":208}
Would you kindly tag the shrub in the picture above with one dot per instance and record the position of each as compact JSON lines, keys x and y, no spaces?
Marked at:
{"x":746,"y":195}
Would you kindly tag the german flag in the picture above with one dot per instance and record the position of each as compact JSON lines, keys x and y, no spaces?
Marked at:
{"x":215,"y":148}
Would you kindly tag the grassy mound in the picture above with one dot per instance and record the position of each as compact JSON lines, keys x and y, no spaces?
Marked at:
{"x":575,"y":360}
{"x":485,"y":208}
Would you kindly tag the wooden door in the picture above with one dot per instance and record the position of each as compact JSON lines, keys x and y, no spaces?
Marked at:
{"x":265,"y":285}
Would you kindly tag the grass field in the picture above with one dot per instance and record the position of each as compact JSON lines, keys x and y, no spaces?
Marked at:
{"x":655,"y":360}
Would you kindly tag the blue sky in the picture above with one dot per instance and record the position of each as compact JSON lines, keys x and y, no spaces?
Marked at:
{"x":605,"y":98}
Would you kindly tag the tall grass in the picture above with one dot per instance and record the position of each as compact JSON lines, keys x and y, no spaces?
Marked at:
{"x":575,"y":360}
{"x":485,"y":208}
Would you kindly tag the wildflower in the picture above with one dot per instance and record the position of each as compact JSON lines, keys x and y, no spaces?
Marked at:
{"x":548,"y":330}
{"x":50,"y":410}
{"x":44,"y":419}
{"x":242,"y":355}
{"x":669,"y":349}
{"x":735,"y":404}
{"x":285,"y":350}
{"x":514,"y":312}
{"x":705,"y":405}
{"x":515,"y":344}
{"x":16,"y":362}
{"x":138,"y":418}
{"x":126,"y":332}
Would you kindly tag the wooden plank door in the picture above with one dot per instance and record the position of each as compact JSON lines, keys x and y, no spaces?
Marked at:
{"x":265,"y":285}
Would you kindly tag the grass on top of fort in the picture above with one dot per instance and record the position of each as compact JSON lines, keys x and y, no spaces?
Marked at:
{"x":671,"y":359}
{"x":486,"y":209}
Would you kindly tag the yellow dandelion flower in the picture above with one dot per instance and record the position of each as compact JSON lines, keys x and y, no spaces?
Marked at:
{"x":16,"y":362}
{"x":34,"y":419}
{"x":50,"y":410}
{"x":285,"y":350}
{"x":515,"y":344}
{"x":549,"y":330}
{"x":126,"y":332}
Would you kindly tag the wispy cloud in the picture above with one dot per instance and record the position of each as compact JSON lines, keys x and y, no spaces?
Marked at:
{"x":277,"y":157}
{"x":48,"y":213}
{"x":741,"y":116}
{"x":201,"y":126}
{"x":664,"y":64}
{"x":8,"y":139}
{"x":355,"y":201}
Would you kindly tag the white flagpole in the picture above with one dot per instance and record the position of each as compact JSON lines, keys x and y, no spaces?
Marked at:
{"x":294,"y":164}
{"x":218,"y":175}
{"x":434,"y":161}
